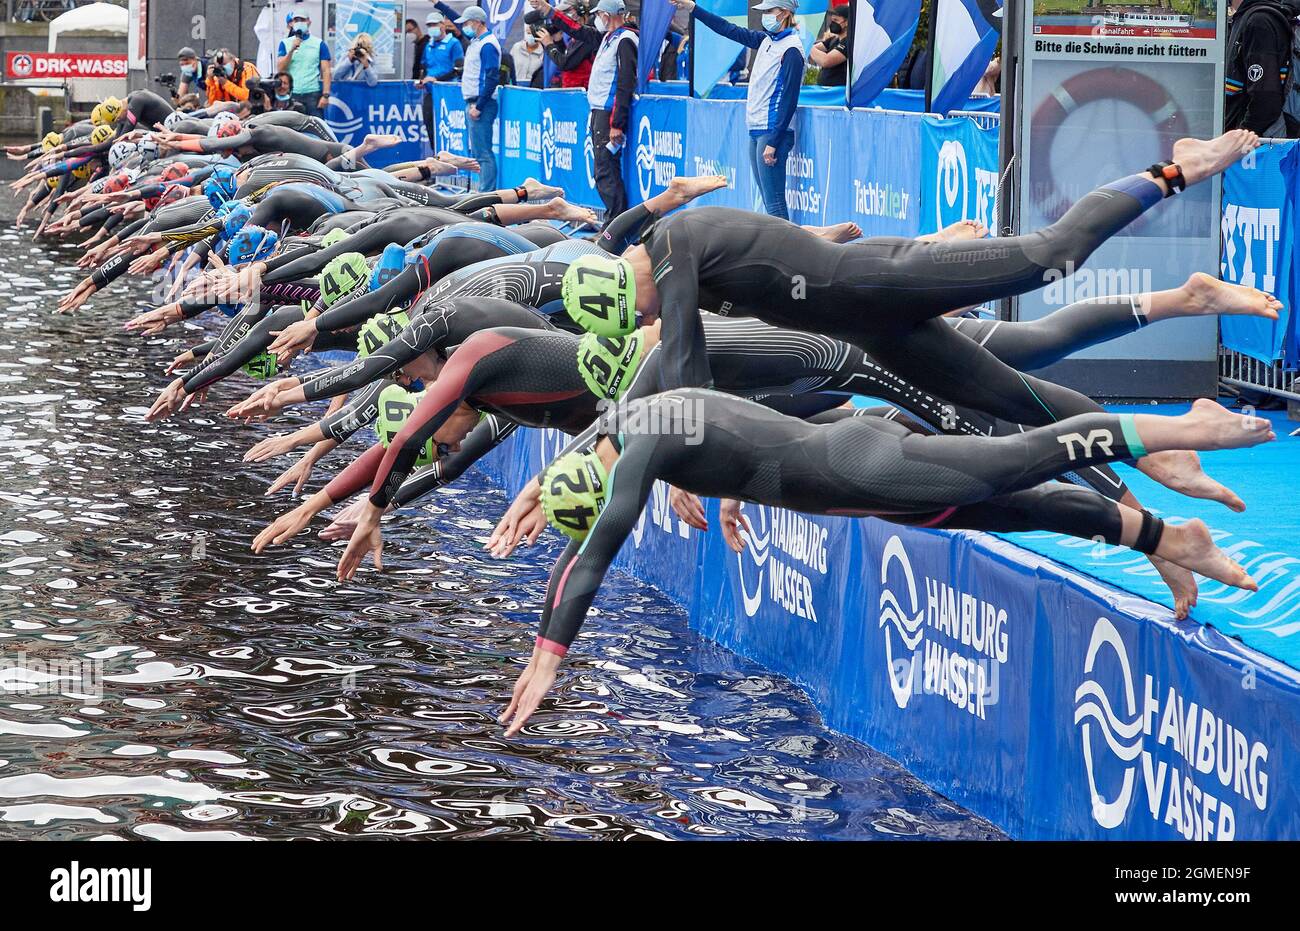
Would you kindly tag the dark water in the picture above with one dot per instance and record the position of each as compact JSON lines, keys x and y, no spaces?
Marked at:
{"x":224,"y":695}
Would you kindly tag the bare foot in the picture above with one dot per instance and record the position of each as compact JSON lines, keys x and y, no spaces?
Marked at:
{"x":538,"y":191}
{"x":1206,"y":294}
{"x":1191,"y":546}
{"x":837,"y":232}
{"x":685,"y":188}
{"x":1203,"y":158}
{"x":962,"y":229}
{"x":1180,"y":470}
{"x":561,"y":209}
{"x":1210,"y":425}
{"x":1181,"y":582}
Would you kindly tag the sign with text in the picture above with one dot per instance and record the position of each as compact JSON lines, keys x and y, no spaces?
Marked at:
{"x":24,"y":65}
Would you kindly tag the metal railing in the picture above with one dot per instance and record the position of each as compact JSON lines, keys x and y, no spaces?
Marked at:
{"x":1242,"y":371}
{"x":982,"y":119}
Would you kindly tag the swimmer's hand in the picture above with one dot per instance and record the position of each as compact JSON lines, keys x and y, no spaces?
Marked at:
{"x":180,"y":362}
{"x":154,"y":322}
{"x":366,"y":538}
{"x":263,"y":402}
{"x":168,"y":402}
{"x":531,"y":687}
{"x":300,"y":471}
{"x":293,"y":339}
{"x":288,"y":525}
{"x":345,"y":524}
{"x":77,"y":296}
{"x":730,"y":517}
{"x":523,"y":522}
{"x":689,"y":508}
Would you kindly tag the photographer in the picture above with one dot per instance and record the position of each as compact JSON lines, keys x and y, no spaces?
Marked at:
{"x":528,"y":56}
{"x":830,"y":52}
{"x":229,"y":78}
{"x":572,"y":54}
{"x":307,"y":59}
{"x":191,"y":68}
{"x":358,"y":66}
{"x":275,"y":94}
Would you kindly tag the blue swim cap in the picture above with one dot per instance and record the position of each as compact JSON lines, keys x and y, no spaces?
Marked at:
{"x":392,"y":262}
{"x":235,"y":218}
{"x":250,"y":244}
{"x":221,"y":185}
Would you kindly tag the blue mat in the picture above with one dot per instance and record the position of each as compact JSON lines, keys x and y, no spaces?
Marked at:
{"x":1265,"y":539}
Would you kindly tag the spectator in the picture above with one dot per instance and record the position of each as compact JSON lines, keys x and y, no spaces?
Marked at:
{"x":609,"y":93}
{"x":284,"y":94}
{"x":990,"y":84}
{"x":1258,"y":59}
{"x":442,"y":53}
{"x":191,"y":69}
{"x":229,"y":78}
{"x":572,"y":54}
{"x":774,"y":78}
{"x":830,"y":52}
{"x":673,"y":45}
{"x":478,"y":85}
{"x":359,"y":65}
{"x":307,"y":59}
{"x":528,"y":57}
{"x":420,"y":40}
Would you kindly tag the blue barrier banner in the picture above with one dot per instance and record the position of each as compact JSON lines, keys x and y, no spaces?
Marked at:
{"x":959,"y":173}
{"x":817,"y":170}
{"x":717,"y":143}
{"x":451,"y":125}
{"x":521,"y":135}
{"x":566,"y":144}
{"x":1053,"y":705}
{"x":656,"y":152}
{"x":1258,"y":233}
{"x":879,"y":175}
{"x":390,"y":107}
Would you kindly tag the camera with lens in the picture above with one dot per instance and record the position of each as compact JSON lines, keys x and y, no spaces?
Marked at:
{"x":166,"y":80}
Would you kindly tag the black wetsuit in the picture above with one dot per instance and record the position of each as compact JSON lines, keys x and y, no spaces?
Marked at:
{"x":720,"y":446}
{"x":885,"y":294}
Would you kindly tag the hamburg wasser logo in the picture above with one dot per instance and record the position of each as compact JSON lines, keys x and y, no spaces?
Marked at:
{"x":341,"y":119}
{"x":907,"y":624}
{"x":784,"y":552}
{"x":1196,"y":770}
{"x":645,"y":157}
{"x":451,"y":128}
{"x":957,"y":641}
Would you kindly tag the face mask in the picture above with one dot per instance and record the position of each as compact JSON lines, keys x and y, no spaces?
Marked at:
{"x":228,"y":68}
{"x":302,"y":31}
{"x":187,"y":71}
{"x":282,"y":97}
{"x":771,"y":23}
{"x":469,"y":30}
{"x":836,"y":28}
{"x":602,"y":24}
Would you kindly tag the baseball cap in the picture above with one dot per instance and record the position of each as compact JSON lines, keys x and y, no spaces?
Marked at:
{"x":610,"y":7}
{"x":434,"y":18}
{"x":476,"y":13}
{"x":187,"y":52}
{"x":790,"y":5}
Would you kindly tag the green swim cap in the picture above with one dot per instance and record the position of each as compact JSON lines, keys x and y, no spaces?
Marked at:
{"x":333,"y":238}
{"x":396,"y":405}
{"x":342,"y":276}
{"x":573,"y":493}
{"x":608,"y":364}
{"x":262,"y":366}
{"x":380,"y":330}
{"x":599,"y":292}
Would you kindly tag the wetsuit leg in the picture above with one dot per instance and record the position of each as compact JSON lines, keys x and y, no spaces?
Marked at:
{"x":1053,"y":507}
{"x":927,"y":279}
{"x":1034,"y":344}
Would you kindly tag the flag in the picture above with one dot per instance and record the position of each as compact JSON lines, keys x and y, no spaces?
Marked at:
{"x":656,"y":17}
{"x":882,"y":35}
{"x":965,"y":35}
{"x":501,"y":18}
{"x":711,"y":54}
